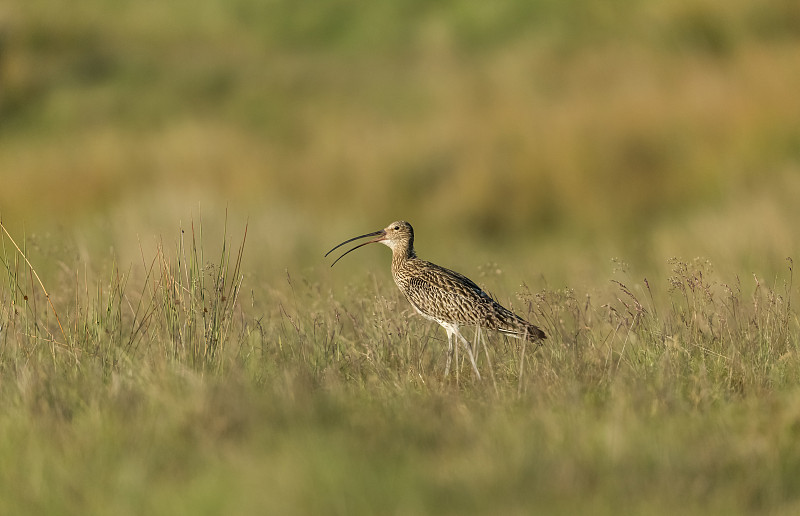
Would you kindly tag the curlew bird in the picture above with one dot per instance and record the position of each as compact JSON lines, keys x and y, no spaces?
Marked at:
{"x":447,"y":297}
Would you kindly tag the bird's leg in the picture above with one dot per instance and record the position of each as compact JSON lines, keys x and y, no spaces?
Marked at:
{"x":476,"y":342}
{"x":455,"y":351}
{"x":449,"y":352}
{"x":482,"y":339}
{"x":469,"y":353}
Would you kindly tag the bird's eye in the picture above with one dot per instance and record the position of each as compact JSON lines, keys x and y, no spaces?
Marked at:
{"x":396,"y":228}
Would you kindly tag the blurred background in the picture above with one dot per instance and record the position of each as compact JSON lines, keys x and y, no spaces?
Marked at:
{"x":547,"y":136}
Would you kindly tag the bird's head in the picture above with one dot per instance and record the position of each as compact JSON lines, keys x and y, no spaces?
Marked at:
{"x":399,"y":236}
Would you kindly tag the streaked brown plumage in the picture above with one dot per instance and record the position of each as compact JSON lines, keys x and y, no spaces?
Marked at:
{"x":445,"y":296}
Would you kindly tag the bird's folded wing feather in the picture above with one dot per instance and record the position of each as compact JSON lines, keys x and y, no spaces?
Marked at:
{"x":447,"y":295}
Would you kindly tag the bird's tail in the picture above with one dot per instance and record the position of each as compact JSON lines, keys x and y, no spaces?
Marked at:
{"x":528,"y":331}
{"x":516,"y":326}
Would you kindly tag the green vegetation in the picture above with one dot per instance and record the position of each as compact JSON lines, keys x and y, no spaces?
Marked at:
{"x":678,"y":394}
{"x":625,"y":174}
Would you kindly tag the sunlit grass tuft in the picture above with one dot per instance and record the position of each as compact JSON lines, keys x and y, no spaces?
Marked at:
{"x":182,"y":311}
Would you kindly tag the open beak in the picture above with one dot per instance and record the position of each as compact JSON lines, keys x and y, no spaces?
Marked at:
{"x":380,"y":234}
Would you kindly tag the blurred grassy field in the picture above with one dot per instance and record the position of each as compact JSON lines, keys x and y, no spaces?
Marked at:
{"x":624,"y":173}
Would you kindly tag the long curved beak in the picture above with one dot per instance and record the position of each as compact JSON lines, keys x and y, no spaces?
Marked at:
{"x":380,"y":234}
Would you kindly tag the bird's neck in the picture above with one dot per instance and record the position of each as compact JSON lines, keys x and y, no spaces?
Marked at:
{"x":401,"y":255}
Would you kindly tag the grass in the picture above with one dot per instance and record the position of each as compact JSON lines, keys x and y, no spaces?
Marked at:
{"x":572,"y":157}
{"x":172,"y":394}
{"x":185,"y":304}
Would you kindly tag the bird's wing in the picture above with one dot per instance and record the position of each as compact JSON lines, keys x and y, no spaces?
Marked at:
{"x":446,"y":295}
